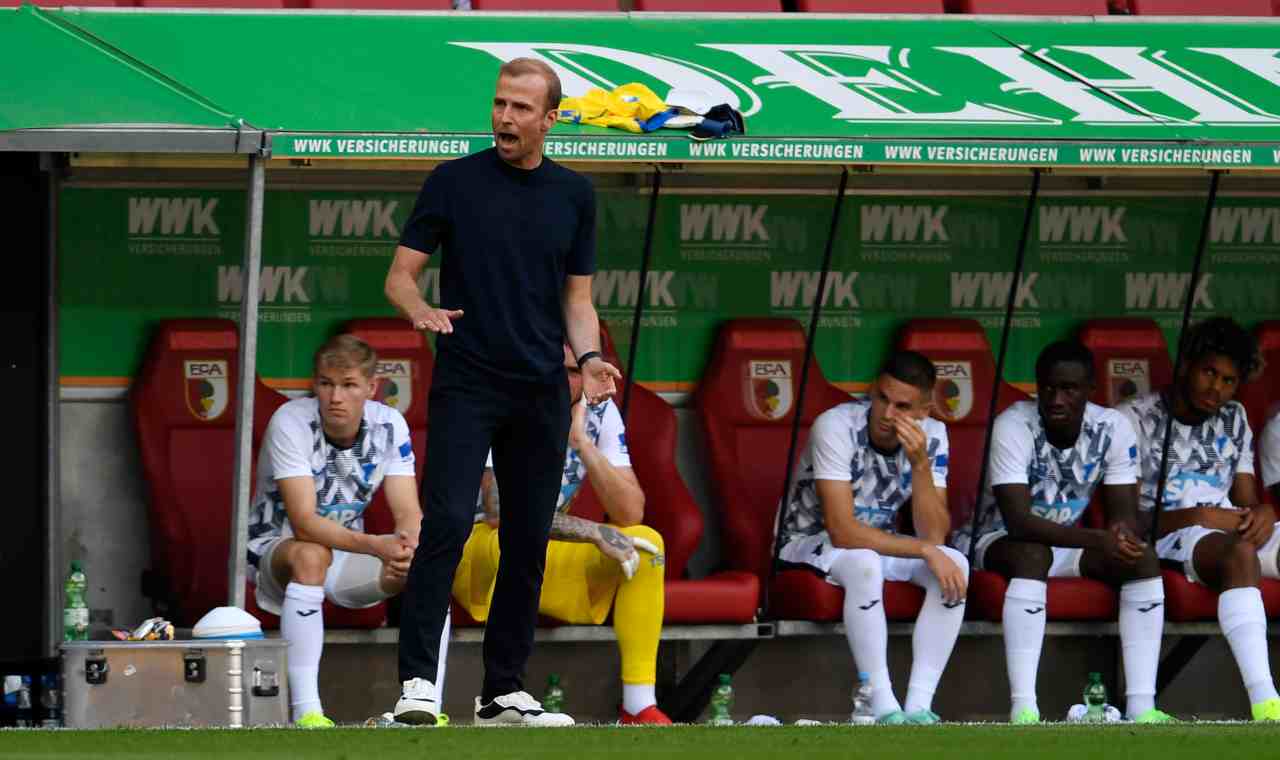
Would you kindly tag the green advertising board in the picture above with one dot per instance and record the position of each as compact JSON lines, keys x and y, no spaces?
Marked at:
{"x":947,"y":91}
{"x":130,"y":257}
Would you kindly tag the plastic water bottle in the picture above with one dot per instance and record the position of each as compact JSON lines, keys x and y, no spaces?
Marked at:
{"x":75,"y":613}
{"x":862,"y":712}
{"x":553,"y":700}
{"x":722,"y":703}
{"x":1095,"y":699}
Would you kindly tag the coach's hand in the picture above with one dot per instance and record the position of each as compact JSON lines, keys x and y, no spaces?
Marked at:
{"x":598,"y":380}
{"x":954,"y":583}
{"x":436,"y":320}
{"x":623,"y":548}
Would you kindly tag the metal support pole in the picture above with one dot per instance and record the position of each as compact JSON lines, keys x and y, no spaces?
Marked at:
{"x":1000,"y":357}
{"x":245,"y":380}
{"x":645,"y":255}
{"x":804,"y":378}
{"x":1177,"y":354}
{"x":53,"y":569}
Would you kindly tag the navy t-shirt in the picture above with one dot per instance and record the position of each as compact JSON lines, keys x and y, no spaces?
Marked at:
{"x":509,"y":238}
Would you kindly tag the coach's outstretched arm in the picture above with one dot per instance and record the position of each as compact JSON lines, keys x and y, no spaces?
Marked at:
{"x":582,"y":327}
{"x":401,"y":289}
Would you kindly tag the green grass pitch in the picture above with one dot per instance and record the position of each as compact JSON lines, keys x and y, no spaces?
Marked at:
{"x":983,"y":742}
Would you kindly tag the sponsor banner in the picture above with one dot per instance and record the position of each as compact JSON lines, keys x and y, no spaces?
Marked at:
{"x":675,"y":147}
{"x":131,"y":257}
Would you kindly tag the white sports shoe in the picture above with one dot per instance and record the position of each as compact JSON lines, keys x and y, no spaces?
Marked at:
{"x":517,"y":709}
{"x":418,"y":703}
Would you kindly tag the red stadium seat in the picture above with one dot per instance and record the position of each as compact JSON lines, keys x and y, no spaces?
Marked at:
{"x":1261,"y":397}
{"x":670,"y":509}
{"x":1030,"y":7}
{"x":1130,"y":358}
{"x":605,"y":6}
{"x":717,"y":6}
{"x":962,"y":397}
{"x":231,"y":4}
{"x":870,"y":6}
{"x":61,"y":3}
{"x":1200,"y":8}
{"x":184,"y":410}
{"x":745,"y":402}
{"x":382,"y":5}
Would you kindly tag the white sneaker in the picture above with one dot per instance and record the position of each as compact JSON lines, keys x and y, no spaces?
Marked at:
{"x":517,"y":709}
{"x":418,"y":703}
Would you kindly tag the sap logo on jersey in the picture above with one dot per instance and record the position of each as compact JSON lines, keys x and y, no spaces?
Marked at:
{"x":953,"y":392}
{"x":1127,"y":377}
{"x":768,"y":388}
{"x":205,"y":387}
{"x":395,"y":384}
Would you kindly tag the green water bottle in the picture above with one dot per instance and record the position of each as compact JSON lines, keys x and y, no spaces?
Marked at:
{"x":553,"y":700}
{"x":1095,"y":699}
{"x":722,"y":703}
{"x":75,"y":613}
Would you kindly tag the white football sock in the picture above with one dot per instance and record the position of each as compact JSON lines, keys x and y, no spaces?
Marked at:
{"x":1024,"y":619}
{"x":1244,"y":623}
{"x":637,"y":696}
{"x":302,"y":625}
{"x":1141,"y":628}
{"x":935,"y":634}
{"x":858,"y":571}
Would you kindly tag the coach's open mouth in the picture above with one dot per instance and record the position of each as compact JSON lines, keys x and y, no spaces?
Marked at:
{"x":507,"y":139}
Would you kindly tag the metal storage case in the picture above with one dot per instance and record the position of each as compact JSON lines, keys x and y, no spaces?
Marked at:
{"x":195,"y":682}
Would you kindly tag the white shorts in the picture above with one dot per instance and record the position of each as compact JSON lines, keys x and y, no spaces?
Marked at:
{"x":817,"y":552}
{"x":1066,"y":560}
{"x":1180,"y":546}
{"x":352,"y":581}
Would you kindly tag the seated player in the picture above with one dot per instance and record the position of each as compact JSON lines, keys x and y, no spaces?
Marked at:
{"x":1210,"y":521}
{"x":1047,"y":458}
{"x":866,"y":459}
{"x":322,"y":459}
{"x":591,"y":567}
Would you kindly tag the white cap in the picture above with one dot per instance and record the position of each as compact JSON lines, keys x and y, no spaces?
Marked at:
{"x":227,"y":623}
{"x":693,"y":101}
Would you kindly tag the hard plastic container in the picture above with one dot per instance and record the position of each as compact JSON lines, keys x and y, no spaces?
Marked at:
{"x":197,"y":682}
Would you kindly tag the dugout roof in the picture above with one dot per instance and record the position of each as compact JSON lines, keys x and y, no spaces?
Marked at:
{"x":938,"y":91}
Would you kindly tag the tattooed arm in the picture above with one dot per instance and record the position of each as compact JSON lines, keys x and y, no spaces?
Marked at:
{"x":489,"y":498}
{"x":609,"y":540}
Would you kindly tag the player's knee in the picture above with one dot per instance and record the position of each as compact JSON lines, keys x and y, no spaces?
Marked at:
{"x":860,"y":568}
{"x":1240,"y":559}
{"x":1028,"y":560}
{"x":645,"y":533}
{"x":309,"y":562}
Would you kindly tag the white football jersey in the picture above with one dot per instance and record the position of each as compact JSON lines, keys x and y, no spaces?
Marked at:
{"x":1269,"y":451}
{"x":1061,"y":480}
{"x":1204,"y":459}
{"x":840,"y":449}
{"x":295,"y":446}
